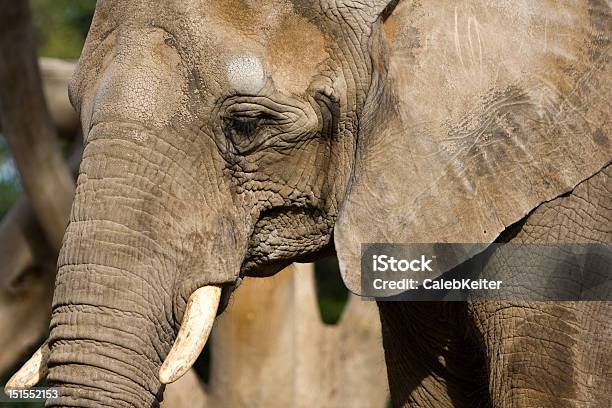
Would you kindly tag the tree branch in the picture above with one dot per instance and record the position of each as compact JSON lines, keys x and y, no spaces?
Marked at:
{"x":26,"y":279}
{"x":27,"y":124}
{"x":21,"y":243}
{"x":26,"y":284}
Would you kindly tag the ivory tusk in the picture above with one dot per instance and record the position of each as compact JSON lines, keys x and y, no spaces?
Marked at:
{"x":32,"y":372}
{"x":198,"y":321}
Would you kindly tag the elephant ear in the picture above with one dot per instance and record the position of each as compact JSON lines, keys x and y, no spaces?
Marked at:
{"x":488,"y":110}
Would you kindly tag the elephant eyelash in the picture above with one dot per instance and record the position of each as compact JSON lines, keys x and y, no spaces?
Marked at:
{"x":242,"y":131}
{"x":245,"y":126}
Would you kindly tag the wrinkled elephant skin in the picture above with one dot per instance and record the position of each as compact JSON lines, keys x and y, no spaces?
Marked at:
{"x":230,"y":138}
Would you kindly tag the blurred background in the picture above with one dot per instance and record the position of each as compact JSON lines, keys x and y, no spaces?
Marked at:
{"x":60,"y":28}
{"x":343,"y":341}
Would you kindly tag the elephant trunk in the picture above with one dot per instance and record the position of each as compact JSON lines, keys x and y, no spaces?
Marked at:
{"x":104,"y":355}
{"x":135,"y":251}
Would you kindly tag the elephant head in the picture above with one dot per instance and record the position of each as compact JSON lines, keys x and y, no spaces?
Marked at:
{"x":229,"y":138}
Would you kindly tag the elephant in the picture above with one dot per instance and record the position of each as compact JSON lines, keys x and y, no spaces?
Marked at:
{"x":226,"y":139}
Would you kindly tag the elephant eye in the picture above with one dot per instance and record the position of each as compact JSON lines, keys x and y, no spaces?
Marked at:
{"x":243,"y":130}
{"x":245,"y":126}
{"x":248,"y":124}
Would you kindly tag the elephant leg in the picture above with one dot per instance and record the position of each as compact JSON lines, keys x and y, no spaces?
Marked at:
{"x":547,"y":355}
{"x":430,"y":356}
{"x":553,"y":354}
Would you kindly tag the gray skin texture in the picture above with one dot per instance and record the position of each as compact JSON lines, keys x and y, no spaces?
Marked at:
{"x":510,"y":353}
{"x":230,"y":138}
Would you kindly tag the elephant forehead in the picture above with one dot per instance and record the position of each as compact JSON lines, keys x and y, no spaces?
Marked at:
{"x":267,"y":39}
{"x":241,"y":44}
{"x":247,"y":15}
{"x":294,"y":52}
{"x":245,"y":73}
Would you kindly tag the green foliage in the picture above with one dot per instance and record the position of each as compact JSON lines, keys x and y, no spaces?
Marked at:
{"x":61,"y":26}
{"x":8,"y":196}
{"x":60,"y":29}
{"x":10,"y":188}
{"x":332,"y":295}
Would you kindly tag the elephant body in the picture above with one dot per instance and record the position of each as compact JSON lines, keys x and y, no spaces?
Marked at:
{"x":510,"y":353}
{"x":226,"y":139}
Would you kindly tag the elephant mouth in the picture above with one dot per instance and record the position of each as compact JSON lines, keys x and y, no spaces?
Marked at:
{"x":287,"y":234}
